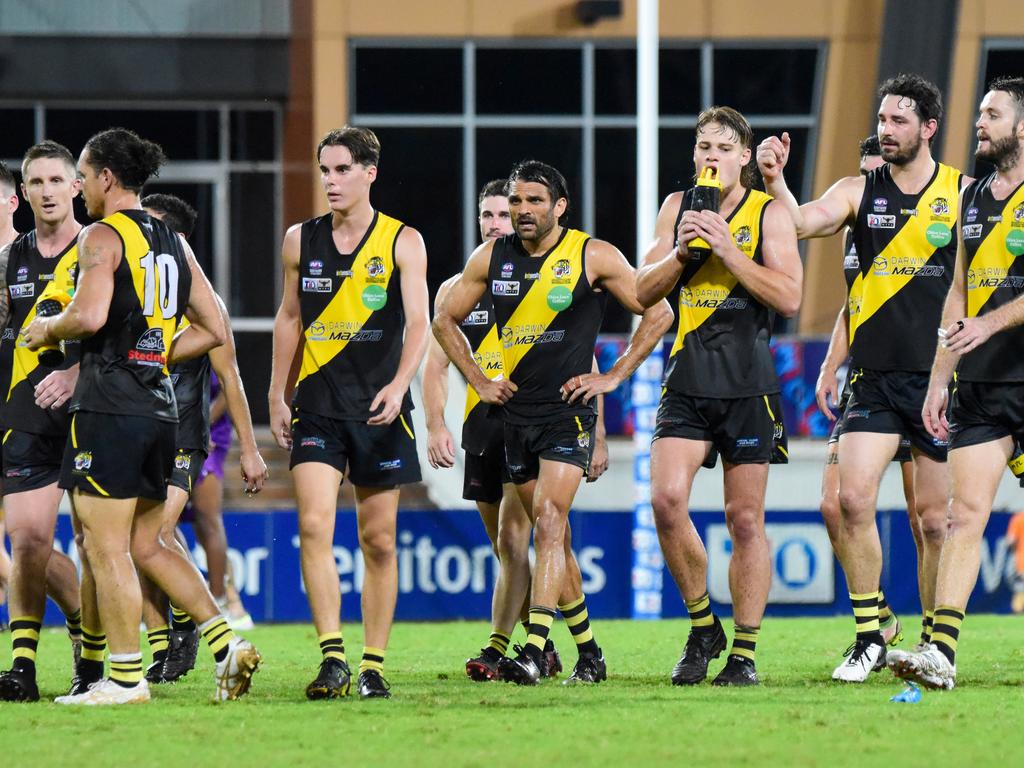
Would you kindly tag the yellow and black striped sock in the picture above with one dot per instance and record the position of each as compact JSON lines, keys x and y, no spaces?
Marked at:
{"x":217,"y":634}
{"x":926,"y":626}
{"x":577,"y":618}
{"x":25,"y":641}
{"x":701,"y":616}
{"x":332,"y":646}
{"x":159,"y":639}
{"x":94,"y":645}
{"x":884,"y":611}
{"x":181,"y":621}
{"x":744,"y":642}
{"x":498,"y":642}
{"x":865,"y":613}
{"x":126,"y":669}
{"x":373,"y":659}
{"x":73,"y":621}
{"x":541,"y":619}
{"x":946,"y":631}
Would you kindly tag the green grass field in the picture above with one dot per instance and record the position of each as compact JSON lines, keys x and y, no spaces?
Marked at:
{"x":439,"y":717}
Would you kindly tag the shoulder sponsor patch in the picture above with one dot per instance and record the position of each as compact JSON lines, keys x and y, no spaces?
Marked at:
{"x":505,"y":287}
{"x":972,"y":231}
{"x":317,"y":284}
{"x":876,"y":221}
{"x":22,"y":290}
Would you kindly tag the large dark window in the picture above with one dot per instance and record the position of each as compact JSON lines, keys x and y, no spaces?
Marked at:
{"x":407,"y":80}
{"x":185,"y":134}
{"x":531,"y":81}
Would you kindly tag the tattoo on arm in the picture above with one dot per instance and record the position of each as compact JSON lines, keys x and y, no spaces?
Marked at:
{"x":5,"y":300}
{"x":88,"y":256}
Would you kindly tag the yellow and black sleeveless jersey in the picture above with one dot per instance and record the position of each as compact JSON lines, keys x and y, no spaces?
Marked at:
{"x":721,"y":348}
{"x":548,"y":319}
{"x":124,"y":364}
{"x":30,"y":275}
{"x":480,"y":328}
{"x":191,"y":381}
{"x":907,"y":249}
{"x":993,"y":232}
{"x":353,"y":319}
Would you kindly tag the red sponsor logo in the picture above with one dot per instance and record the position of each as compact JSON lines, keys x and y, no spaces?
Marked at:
{"x":146,"y":357}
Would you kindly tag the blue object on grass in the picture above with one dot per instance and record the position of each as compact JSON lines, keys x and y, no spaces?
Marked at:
{"x":911,"y":695}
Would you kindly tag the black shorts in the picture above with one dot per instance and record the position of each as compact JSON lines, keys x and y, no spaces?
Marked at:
{"x":569,"y":440}
{"x":485,"y":476}
{"x":890,"y":402}
{"x":904,"y":452}
{"x":982,"y":413}
{"x":120,"y":456}
{"x":188,"y":463}
{"x":744,"y":430}
{"x":31,"y":461}
{"x":376,"y":456}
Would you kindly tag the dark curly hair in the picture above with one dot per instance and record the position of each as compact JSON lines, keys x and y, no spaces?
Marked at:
{"x":925,"y":94}
{"x":176,"y":213}
{"x":132,"y":159}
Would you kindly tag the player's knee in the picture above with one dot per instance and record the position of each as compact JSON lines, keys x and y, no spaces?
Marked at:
{"x":144,"y":550}
{"x":745,"y":523}
{"x":965,"y":515}
{"x":550,"y":526}
{"x":27,"y":542}
{"x":853,"y":507}
{"x":513,"y":541}
{"x":669,"y":507}
{"x":316,"y":530}
{"x":378,"y":546}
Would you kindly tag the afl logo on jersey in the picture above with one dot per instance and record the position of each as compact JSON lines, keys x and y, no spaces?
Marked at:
{"x":506,"y":269}
{"x":316,"y":267}
{"x":375,"y":269}
{"x":971,"y":216}
{"x":940,"y":206}
{"x":22,"y":274}
{"x":880,"y":204}
{"x":743,"y":238}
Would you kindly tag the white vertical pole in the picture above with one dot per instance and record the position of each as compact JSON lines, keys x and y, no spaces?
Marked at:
{"x":647,"y":557}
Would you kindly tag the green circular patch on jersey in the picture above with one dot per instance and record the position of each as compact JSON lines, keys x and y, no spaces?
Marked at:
{"x":559,"y":298}
{"x":1015,"y":242}
{"x":938,"y":235}
{"x":374,"y":297}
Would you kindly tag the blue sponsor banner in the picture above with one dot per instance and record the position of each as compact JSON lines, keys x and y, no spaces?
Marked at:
{"x":447,"y":571}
